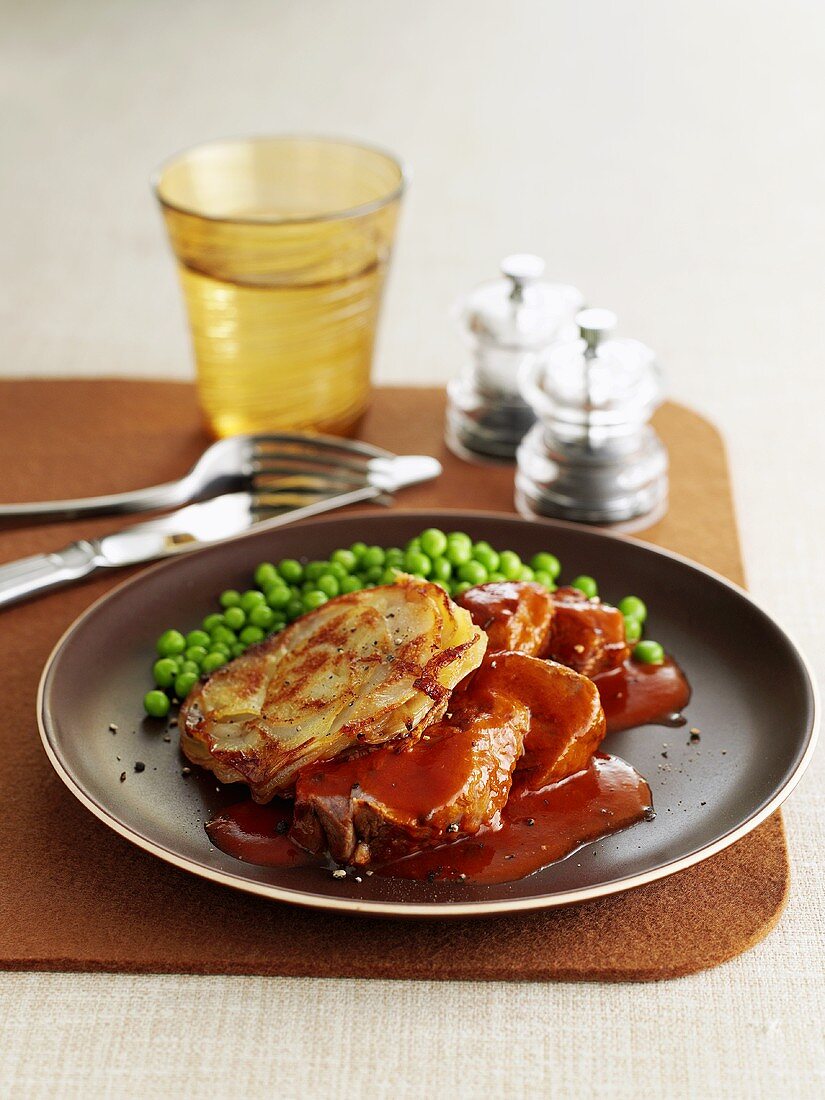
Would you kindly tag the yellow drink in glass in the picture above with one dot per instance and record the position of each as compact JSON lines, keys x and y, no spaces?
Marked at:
{"x":282,"y":247}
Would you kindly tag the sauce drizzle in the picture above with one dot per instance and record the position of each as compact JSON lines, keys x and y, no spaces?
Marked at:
{"x":535,"y":828}
{"x":636,"y":694}
{"x":538,"y":827}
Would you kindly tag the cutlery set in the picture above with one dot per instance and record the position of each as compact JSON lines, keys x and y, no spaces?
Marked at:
{"x":240,"y":483}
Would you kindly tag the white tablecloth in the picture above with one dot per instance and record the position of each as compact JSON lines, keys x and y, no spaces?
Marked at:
{"x":667,"y":158}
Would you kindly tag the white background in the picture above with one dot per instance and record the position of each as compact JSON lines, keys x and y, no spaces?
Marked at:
{"x":668,"y":158}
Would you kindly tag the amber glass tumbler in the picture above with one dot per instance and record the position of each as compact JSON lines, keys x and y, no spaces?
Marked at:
{"x":282,"y":247}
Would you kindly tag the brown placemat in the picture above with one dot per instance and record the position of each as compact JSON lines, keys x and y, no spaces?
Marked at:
{"x":75,"y":896}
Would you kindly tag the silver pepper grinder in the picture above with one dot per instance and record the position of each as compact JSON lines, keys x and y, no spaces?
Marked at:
{"x":592,"y":454}
{"x":506,"y":324}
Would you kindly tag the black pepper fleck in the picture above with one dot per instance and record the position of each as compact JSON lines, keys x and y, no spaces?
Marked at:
{"x":123,"y":777}
{"x":140,"y":766}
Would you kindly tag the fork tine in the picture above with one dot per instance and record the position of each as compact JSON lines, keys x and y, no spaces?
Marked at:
{"x":272,"y":477}
{"x":318,"y":442}
{"x":285,"y":500}
{"x":277,"y":460}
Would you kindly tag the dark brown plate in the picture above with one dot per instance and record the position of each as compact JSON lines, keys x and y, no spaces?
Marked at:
{"x":753,"y":700}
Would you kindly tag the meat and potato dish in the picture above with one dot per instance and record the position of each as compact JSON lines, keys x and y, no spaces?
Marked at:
{"x":402,"y":723}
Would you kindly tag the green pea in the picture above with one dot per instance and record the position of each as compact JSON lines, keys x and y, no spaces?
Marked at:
{"x":546,"y":563}
{"x":417,"y":562}
{"x":265,"y":574}
{"x":433,"y":542}
{"x":587,"y":585}
{"x":459,"y":538}
{"x":390,"y":575}
{"x":350,"y":584}
{"x":229,"y":598}
{"x":223,"y":634}
{"x":295,"y":608}
{"x":189,"y":666}
{"x":358,"y":549}
{"x":371,"y":557}
{"x":484,"y":553}
{"x":278,"y":596}
{"x":170,"y":643}
{"x":314,"y":569}
{"x":251,"y":599}
{"x":632,"y":630}
{"x":237,"y":649}
{"x":633,"y":608}
{"x":164,"y":671}
{"x":278,"y":621}
{"x":649,"y":652}
{"x":196,"y":653}
{"x":457,"y":553}
{"x":374,"y":574}
{"x":335,"y":569}
{"x":220,"y":647}
{"x":473,"y":572}
{"x":197,"y":637}
{"x":462,"y":586}
{"x":184,"y":684}
{"x":312,"y":600}
{"x":251,"y":635}
{"x":345,"y":558}
{"x":440,"y":569}
{"x":526,"y":573}
{"x":211,"y":621}
{"x":212,"y":661}
{"x":234,"y":618}
{"x":413,"y":544}
{"x":542,"y":577}
{"x":394,"y":556}
{"x":261,"y":616}
{"x":328,"y":584}
{"x":509,"y":564}
{"x":291,"y":570}
{"x":156,"y":703}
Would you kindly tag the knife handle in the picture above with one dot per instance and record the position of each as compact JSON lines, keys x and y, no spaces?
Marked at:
{"x":27,"y":576}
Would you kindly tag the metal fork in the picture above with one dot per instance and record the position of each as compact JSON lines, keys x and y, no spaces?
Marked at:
{"x":229,"y":515}
{"x":295,"y":465}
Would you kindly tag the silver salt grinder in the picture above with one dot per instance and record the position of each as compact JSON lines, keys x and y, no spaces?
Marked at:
{"x":592,"y":455}
{"x":506,"y":324}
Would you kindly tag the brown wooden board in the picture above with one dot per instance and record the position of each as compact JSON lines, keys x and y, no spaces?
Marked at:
{"x":75,"y":896}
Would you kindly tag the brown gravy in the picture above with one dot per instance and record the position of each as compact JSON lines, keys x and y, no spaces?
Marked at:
{"x":536,"y":828}
{"x":635,"y":694}
{"x":257,"y":834}
{"x":539,"y":827}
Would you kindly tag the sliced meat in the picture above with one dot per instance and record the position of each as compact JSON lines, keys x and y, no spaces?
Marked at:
{"x":586,"y":635}
{"x":567,"y":723}
{"x":390,"y":802}
{"x":515,"y":615}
